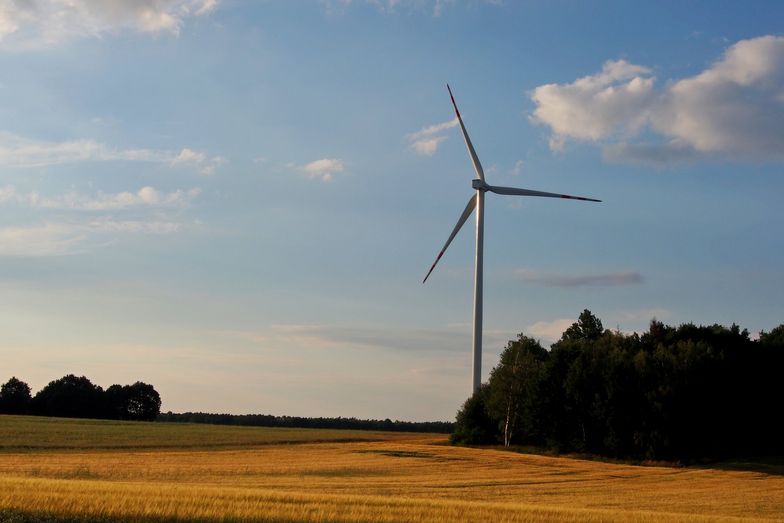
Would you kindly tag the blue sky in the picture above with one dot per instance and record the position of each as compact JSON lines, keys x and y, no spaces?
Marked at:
{"x":237,"y":201}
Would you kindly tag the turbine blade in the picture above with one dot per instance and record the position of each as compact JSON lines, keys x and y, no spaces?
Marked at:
{"x":514,"y":191}
{"x":474,"y":158}
{"x":463,"y":217}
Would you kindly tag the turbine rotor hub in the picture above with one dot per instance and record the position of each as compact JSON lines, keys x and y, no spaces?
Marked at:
{"x":478,"y":184}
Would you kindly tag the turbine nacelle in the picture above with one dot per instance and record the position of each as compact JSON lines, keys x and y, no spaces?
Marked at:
{"x":479,"y":185}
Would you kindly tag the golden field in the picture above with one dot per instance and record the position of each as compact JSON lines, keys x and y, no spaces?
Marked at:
{"x":109,"y":471}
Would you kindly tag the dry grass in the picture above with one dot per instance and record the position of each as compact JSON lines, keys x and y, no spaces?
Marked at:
{"x":32,"y":433}
{"x":403,"y":477}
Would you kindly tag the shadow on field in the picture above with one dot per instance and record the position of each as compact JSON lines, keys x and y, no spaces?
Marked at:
{"x":409,"y":454}
{"x":16,"y":516}
{"x":773,"y":465}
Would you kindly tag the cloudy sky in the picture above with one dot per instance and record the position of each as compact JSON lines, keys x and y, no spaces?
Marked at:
{"x":237,"y":201}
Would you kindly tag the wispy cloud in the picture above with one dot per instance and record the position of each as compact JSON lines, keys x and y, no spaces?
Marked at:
{"x":732,"y":109}
{"x":41,"y":23}
{"x":430,"y":130}
{"x":582,"y":280}
{"x":549,"y":331}
{"x":140,"y":212}
{"x":74,"y":236}
{"x":323,"y":169}
{"x":20,"y":152}
{"x":428,"y":146}
{"x":49,"y":239}
{"x":145,"y":197}
{"x":108,"y":224}
{"x":78,"y":233}
{"x":426,"y":140}
{"x":325,"y":336}
{"x":205,"y":164}
{"x":434,"y":7}
{"x":650,"y":154}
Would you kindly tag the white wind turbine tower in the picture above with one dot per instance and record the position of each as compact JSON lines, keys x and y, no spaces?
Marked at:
{"x":478,"y":201}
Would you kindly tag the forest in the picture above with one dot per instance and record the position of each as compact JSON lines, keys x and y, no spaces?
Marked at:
{"x":269,"y":420}
{"x":77,"y":397}
{"x":686,"y":392}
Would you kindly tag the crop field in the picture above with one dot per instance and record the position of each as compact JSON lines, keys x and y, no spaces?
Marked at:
{"x":82,"y":470}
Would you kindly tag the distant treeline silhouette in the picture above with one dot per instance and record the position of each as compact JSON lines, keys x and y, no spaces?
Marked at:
{"x":268,"y":420}
{"x":77,"y":397}
{"x":684,"y":392}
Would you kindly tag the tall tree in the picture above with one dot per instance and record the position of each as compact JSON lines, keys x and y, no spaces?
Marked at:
{"x":142,"y":401}
{"x":513,"y":389}
{"x":70,"y":397}
{"x":15,"y":397}
{"x":139,"y":401}
{"x":587,"y":327}
{"x":473,"y":425}
{"x":683,"y":392}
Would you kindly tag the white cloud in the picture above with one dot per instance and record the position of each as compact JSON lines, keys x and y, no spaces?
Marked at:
{"x":37,"y":23}
{"x":732,"y":109}
{"x":617,"y":99}
{"x":518,"y":168}
{"x":205,"y":164}
{"x":206,"y":7}
{"x":428,"y":146}
{"x":426,"y":140}
{"x":323,"y":169}
{"x":145,"y":197}
{"x":440,"y":5}
{"x":549,"y":331}
{"x":7,"y":193}
{"x":17,"y":151}
{"x":430,"y":130}
{"x":189,"y":156}
{"x":735,"y":107}
{"x":79,"y":233}
{"x":20,"y":152}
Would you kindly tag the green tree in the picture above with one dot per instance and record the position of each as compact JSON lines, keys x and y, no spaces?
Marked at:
{"x":473,"y":425}
{"x":14,"y":397}
{"x":143,"y":401}
{"x":513,"y":389}
{"x":686,"y":392}
{"x":139,"y":401}
{"x":70,"y":397}
{"x":587,"y":327}
{"x":774,"y":338}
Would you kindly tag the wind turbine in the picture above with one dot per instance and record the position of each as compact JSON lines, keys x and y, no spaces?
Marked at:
{"x":478,"y":201}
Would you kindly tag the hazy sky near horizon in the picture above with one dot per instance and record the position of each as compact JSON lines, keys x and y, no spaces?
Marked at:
{"x":237,"y":201}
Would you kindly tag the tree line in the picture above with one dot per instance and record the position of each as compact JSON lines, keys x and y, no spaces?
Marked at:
{"x":268,"y":420}
{"x":77,"y":397}
{"x":683,"y":392}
